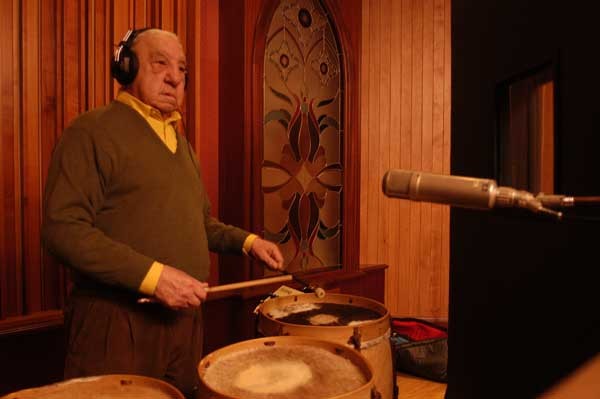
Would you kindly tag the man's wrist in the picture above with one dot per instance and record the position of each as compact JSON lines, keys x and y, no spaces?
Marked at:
{"x":149,"y":283}
{"x":248,"y":243}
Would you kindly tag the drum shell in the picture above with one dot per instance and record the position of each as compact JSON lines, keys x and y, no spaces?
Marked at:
{"x":111,"y":385}
{"x":373,"y":334}
{"x":209,"y":392}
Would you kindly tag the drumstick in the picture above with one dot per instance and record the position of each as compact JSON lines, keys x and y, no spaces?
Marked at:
{"x":250,"y":283}
{"x":235,"y":286}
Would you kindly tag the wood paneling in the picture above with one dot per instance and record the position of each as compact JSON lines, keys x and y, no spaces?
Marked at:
{"x":405,"y":104}
{"x":10,"y":171}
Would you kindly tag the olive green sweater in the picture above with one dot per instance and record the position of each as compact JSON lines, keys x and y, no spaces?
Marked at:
{"x":117,"y":199}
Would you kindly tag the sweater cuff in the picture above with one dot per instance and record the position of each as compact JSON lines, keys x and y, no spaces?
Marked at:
{"x":248,"y":243}
{"x":151,"y":280}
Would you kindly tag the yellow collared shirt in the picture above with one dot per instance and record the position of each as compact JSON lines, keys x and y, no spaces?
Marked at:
{"x":163,"y":127}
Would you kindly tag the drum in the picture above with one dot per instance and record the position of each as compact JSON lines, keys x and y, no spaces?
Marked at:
{"x":285,"y":368}
{"x":114,"y":386}
{"x":361,"y":323}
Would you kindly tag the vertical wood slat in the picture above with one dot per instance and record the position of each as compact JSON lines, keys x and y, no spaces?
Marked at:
{"x":373,"y":71}
{"x":426,"y":275}
{"x":405,"y":124}
{"x":52,"y":276}
{"x":140,"y":14}
{"x":365,"y":119}
{"x":207,"y":141}
{"x":395,"y":147}
{"x":10,"y":236}
{"x":99,"y":51}
{"x":167,"y":17}
{"x":30,"y":145}
{"x":416,"y":239}
{"x":72,"y":53}
{"x":384,"y":128}
{"x":180,"y":18}
{"x":441,"y":276}
{"x":402,"y":268}
{"x":445,"y":292}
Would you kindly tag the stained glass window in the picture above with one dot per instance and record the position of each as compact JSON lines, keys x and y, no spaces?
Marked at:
{"x":302,"y":166}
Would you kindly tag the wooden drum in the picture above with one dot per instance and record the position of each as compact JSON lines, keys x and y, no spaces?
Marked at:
{"x":114,"y":386}
{"x":285,"y":368}
{"x":361,"y":323}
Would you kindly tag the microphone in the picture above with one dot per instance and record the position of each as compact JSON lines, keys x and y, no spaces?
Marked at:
{"x":460,"y":191}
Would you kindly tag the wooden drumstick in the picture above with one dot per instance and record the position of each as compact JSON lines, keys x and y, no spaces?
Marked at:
{"x":247,"y":284}
{"x":235,"y":286}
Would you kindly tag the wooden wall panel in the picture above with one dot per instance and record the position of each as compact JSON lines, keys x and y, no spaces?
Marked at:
{"x":30,"y":145}
{"x":405,"y":104}
{"x":10,"y":199}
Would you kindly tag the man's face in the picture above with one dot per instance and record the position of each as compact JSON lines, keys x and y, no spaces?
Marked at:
{"x":161,"y":75}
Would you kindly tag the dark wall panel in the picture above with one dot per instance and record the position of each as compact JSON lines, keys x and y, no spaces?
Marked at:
{"x":523,"y":288}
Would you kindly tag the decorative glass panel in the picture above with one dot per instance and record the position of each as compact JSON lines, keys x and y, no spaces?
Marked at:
{"x":302,"y":166}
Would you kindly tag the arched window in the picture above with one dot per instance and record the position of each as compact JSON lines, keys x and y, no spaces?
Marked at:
{"x":302,"y":162}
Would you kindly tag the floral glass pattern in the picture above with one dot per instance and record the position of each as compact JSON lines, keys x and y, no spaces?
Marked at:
{"x":302,"y":166}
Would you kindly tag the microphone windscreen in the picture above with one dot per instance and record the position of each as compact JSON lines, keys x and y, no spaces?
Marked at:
{"x":396,"y":183}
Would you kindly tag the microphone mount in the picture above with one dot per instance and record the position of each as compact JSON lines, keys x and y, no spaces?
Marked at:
{"x":507,"y":197}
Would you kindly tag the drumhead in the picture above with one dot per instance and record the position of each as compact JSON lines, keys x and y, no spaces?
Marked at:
{"x":331,"y":310}
{"x":285,"y":367}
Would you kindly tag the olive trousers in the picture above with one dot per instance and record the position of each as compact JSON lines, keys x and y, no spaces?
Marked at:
{"x":114,"y":334}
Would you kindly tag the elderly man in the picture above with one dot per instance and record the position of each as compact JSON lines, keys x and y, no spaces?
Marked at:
{"x":126,"y":210}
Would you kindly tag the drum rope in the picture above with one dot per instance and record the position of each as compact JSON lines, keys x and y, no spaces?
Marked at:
{"x":373,"y":342}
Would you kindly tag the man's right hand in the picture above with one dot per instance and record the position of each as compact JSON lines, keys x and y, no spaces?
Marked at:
{"x":178,"y":290}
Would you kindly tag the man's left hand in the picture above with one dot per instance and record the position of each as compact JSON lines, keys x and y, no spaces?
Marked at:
{"x":267,"y":252}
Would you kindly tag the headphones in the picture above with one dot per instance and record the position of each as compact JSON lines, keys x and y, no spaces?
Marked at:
{"x":124,"y":64}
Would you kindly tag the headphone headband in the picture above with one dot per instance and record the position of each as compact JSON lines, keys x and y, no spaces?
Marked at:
{"x":124,"y":65}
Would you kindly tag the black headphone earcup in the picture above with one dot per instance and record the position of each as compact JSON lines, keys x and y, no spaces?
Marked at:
{"x":125,"y":68}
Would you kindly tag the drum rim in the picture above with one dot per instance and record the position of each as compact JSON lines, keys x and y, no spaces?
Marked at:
{"x":166,"y":387}
{"x":367,"y":323}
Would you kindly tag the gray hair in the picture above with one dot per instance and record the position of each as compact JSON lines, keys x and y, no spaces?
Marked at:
{"x":155,"y":31}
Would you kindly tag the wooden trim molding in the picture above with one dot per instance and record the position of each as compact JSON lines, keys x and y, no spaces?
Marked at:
{"x":31,"y":322}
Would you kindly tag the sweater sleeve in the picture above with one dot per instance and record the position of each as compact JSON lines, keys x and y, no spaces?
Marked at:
{"x":73,"y":196}
{"x":223,"y":237}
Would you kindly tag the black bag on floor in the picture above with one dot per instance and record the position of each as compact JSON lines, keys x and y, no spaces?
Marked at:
{"x":420,"y":348}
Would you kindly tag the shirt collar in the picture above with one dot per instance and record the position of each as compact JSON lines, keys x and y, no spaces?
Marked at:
{"x":147,"y":111}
